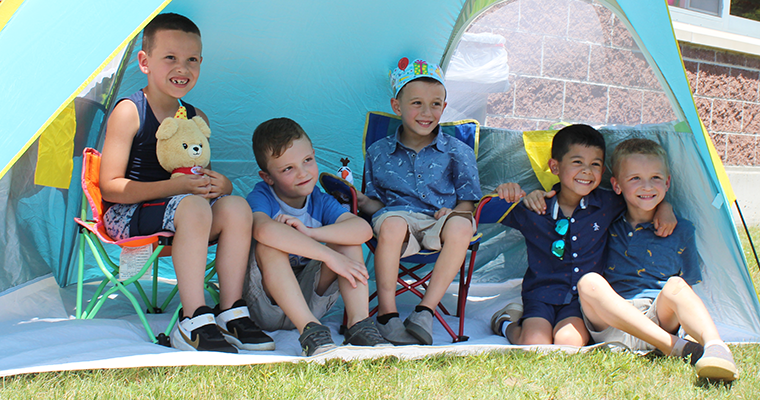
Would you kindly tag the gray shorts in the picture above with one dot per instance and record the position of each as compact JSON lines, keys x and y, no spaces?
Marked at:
{"x":268,"y":315}
{"x":619,"y":339}
{"x":424,"y":230}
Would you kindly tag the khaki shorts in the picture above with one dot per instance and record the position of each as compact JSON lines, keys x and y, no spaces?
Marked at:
{"x":424,"y":230}
{"x":617,"y":338}
{"x":268,"y":315}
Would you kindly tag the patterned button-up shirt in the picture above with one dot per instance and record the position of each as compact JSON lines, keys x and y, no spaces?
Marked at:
{"x":441,"y":174}
{"x":640,"y":262}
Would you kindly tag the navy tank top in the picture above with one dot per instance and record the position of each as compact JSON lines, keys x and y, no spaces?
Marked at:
{"x":143,"y":163}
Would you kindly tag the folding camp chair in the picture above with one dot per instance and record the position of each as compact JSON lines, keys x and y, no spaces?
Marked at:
{"x":93,"y":233}
{"x":380,"y":125}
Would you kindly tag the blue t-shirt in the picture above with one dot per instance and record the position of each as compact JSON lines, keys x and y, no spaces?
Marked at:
{"x":442,"y":173}
{"x":639,"y":262}
{"x":320,"y":210}
{"x":549,"y":279}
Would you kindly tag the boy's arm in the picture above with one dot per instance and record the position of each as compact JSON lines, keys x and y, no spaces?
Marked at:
{"x":289,"y":240}
{"x":664,"y":219}
{"x":348,"y":230}
{"x":368,"y":205}
{"x":121,"y":130}
{"x":535,"y":201}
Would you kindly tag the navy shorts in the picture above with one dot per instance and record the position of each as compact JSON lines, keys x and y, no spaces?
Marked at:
{"x":128,"y":220}
{"x":551,"y":312}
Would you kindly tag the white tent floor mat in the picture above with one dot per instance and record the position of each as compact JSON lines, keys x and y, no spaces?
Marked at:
{"x":41,"y":335}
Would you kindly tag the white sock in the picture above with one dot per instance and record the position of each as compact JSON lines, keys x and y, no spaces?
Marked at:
{"x":504,"y":326}
{"x":678,"y":347}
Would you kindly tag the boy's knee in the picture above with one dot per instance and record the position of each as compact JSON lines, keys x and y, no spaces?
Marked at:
{"x":674,"y":286}
{"x":234,"y":209}
{"x":590,"y":283}
{"x":393,"y":229}
{"x":457,"y":228}
{"x":193,"y":208}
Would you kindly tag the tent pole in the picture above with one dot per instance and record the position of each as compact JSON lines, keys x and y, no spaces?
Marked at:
{"x":744,"y":223}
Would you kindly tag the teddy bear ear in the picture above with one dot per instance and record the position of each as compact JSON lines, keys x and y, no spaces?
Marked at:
{"x":205,"y":130}
{"x":167,"y":129}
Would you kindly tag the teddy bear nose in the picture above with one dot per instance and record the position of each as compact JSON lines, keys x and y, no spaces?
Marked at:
{"x":195,"y":150}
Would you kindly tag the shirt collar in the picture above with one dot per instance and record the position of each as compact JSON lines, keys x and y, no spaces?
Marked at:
{"x":643,"y":225}
{"x":555,"y":201}
{"x":440,"y":143}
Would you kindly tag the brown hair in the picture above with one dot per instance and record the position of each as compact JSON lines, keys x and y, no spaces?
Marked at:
{"x":166,"y":22}
{"x":273,"y":137}
{"x":638,"y":146}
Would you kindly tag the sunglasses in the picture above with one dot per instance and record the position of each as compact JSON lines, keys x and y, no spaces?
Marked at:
{"x":558,"y":247}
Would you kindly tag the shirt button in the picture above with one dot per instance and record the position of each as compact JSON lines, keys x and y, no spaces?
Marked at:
{"x":419,"y":175}
{"x":572,"y":219}
{"x":575,"y":255}
{"x":576,"y":269}
{"x":423,"y":196}
{"x":630,"y":234}
{"x":573,"y":288}
{"x":575,"y":238}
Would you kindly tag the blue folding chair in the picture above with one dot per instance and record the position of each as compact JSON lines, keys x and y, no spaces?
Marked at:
{"x":379,"y":125}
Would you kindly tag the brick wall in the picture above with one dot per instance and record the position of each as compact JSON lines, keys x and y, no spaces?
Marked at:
{"x":579,"y":63}
{"x":726,"y":89}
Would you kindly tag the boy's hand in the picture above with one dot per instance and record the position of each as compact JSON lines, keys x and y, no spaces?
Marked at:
{"x":536,"y":201}
{"x":193,"y":184}
{"x":350,"y":269}
{"x":294,"y":223}
{"x":442,"y":213}
{"x":664,"y":220}
{"x":510,"y":192}
{"x":219,"y":184}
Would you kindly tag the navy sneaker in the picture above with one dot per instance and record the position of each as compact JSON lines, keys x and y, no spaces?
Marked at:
{"x":238,"y":328}
{"x":199,"y":333}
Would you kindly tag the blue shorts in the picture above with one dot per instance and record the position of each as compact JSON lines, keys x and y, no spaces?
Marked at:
{"x":551,"y":312}
{"x":146,"y":218}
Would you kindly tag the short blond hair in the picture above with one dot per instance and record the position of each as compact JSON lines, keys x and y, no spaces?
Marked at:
{"x":638,"y":146}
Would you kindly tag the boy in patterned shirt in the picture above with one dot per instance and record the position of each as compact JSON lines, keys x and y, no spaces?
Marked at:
{"x":421,"y":187}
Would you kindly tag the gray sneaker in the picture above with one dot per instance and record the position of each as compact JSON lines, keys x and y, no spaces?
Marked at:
{"x":365,"y":333}
{"x":394,"y":332}
{"x":420,"y":325}
{"x":315,"y":339}
{"x":510,"y":312}
{"x":717,"y":363}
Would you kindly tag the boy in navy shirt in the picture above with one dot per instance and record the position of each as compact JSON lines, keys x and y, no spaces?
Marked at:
{"x":645,"y":294}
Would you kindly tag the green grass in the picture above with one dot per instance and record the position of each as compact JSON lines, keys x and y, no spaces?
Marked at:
{"x":599,"y":374}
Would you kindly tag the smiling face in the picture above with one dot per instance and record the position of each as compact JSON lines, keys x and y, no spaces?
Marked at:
{"x":420,"y":105}
{"x":174,"y":62}
{"x":293,"y":174}
{"x":643,"y":180}
{"x":579,"y":171}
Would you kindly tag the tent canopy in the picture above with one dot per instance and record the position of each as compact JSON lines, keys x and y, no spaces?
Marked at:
{"x":325,"y":66}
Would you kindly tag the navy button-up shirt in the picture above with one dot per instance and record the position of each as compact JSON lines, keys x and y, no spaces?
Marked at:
{"x":442,"y":173}
{"x":549,"y":279}
{"x":639,"y":262}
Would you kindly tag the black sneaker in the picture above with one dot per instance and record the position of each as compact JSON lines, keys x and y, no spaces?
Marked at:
{"x":238,"y":328}
{"x":365,"y":333}
{"x":199,"y":333}
{"x":315,"y":339}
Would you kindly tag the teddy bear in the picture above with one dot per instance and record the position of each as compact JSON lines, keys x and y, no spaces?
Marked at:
{"x":182,"y":145}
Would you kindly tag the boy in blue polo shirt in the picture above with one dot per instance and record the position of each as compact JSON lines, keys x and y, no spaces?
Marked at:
{"x":645,"y":294}
{"x":421,"y":187}
{"x":564,"y":242}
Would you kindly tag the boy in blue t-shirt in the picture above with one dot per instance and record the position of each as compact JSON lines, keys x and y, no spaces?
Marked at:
{"x":308,"y":248}
{"x":645,"y":295}
{"x":421,"y":186}
{"x":564,"y":243}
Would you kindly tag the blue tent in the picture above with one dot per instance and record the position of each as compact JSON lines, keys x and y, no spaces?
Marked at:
{"x":325,"y":66}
